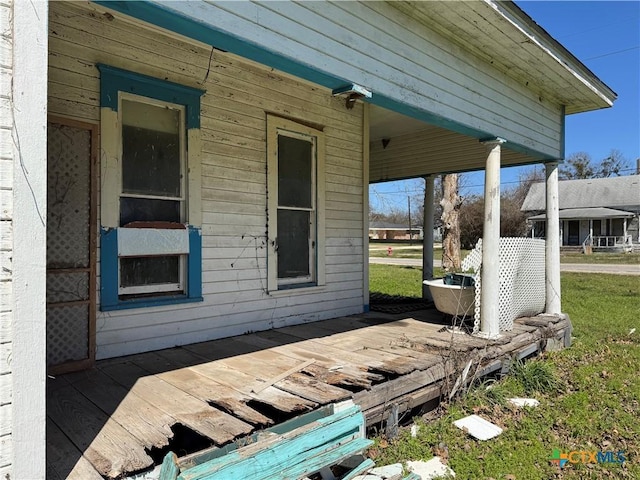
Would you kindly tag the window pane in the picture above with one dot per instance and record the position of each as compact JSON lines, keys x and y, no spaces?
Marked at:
{"x":150,"y":150}
{"x":148,"y":210}
{"x":136,"y":271}
{"x":294,"y":172}
{"x":293,"y":243}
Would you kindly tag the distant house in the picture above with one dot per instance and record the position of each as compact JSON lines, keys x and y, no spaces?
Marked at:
{"x":394,"y":231}
{"x":601,"y":212}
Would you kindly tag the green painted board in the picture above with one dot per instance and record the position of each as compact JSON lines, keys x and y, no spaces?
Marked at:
{"x":302,"y":450}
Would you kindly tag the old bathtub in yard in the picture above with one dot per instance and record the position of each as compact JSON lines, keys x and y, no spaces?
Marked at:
{"x":457,"y":300}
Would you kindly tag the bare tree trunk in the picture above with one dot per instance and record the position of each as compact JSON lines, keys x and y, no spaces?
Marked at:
{"x":451,"y":203}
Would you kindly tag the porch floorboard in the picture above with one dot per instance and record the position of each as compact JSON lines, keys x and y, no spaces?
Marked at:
{"x":122,"y":416}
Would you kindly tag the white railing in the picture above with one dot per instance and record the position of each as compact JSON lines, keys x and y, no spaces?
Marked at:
{"x":608,"y":241}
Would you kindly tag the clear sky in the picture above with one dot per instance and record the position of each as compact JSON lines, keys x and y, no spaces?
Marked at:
{"x":605,"y":36}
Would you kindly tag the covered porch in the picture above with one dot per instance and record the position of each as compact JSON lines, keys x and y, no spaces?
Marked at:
{"x":122,"y":417}
{"x":592,"y":229}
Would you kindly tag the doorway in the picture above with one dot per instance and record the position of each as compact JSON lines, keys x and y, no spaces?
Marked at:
{"x":573,"y":232}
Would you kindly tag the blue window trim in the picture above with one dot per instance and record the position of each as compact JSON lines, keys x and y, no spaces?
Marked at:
{"x":109,"y":299}
{"x":114,"y":80}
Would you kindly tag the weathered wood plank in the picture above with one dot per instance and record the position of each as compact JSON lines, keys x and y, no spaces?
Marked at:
{"x":64,"y":460}
{"x":237,"y":380}
{"x":384,"y":393}
{"x":142,"y":419}
{"x":104,"y":442}
{"x":215,"y":393}
{"x":331,"y":370}
{"x":314,"y":390}
{"x":265,"y":365}
{"x":220,"y":427}
{"x":313,"y":339}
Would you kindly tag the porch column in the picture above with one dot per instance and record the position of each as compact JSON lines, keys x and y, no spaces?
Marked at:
{"x":427,"y":228}
{"x":490,"y":275}
{"x":552,"y":257}
{"x":25,"y":448}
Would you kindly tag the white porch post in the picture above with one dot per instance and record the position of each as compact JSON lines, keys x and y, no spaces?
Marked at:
{"x":427,"y":243}
{"x":552,"y":259}
{"x":490,"y":275}
{"x":29,"y":139}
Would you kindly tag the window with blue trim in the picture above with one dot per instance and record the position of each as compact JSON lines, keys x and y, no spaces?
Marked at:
{"x":151,"y":243}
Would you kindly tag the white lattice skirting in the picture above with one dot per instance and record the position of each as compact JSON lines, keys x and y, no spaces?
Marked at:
{"x":522,"y":279}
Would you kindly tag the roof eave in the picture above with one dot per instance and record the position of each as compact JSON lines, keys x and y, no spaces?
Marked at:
{"x":559,"y":56}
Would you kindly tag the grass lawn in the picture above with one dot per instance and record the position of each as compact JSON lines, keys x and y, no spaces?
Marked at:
{"x":404,"y":250}
{"x":589,"y":394}
{"x":600,"y":258}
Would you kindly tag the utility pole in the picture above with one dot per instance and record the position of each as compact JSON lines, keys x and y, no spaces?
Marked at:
{"x":410,"y":231}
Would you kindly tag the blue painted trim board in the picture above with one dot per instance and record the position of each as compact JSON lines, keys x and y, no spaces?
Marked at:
{"x":194,"y":264}
{"x":109,"y":299}
{"x":108,"y":268}
{"x":114,"y":80}
{"x":162,"y":16}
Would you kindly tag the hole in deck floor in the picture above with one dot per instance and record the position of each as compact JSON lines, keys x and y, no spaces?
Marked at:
{"x":184,"y":442}
{"x":278,"y":416}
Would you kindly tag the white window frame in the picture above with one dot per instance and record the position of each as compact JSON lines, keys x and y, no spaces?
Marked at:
{"x":160,"y":288}
{"x":277,"y":126}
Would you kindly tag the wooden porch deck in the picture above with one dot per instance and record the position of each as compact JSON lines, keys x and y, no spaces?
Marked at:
{"x":124,"y":415}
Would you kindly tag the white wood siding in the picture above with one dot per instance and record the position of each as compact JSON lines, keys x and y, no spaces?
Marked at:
{"x":6,"y":239}
{"x":233,"y":123}
{"x":377,"y":45}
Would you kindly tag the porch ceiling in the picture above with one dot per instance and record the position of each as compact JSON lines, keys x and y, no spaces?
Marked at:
{"x":505,"y":36}
{"x":416,"y":148}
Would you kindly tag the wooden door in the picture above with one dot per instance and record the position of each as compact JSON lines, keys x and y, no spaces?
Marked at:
{"x":71,"y":245}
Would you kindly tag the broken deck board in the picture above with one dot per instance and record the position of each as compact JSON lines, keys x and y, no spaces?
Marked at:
{"x":219,"y":426}
{"x":264,"y":365}
{"x":328,"y":369}
{"x":240,"y":381}
{"x":209,"y":391}
{"x":307,"y":344}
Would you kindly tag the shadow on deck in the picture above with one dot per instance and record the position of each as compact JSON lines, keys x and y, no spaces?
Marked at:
{"x":123,"y":416}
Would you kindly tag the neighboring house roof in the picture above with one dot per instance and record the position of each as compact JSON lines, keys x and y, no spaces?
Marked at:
{"x":391,"y":226}
{"x":585,"y":213}
{"x":612,"y":192}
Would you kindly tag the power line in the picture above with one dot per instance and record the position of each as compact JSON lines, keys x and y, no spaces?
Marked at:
{"x":513,"y":182}
{"x":612,"y":53}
